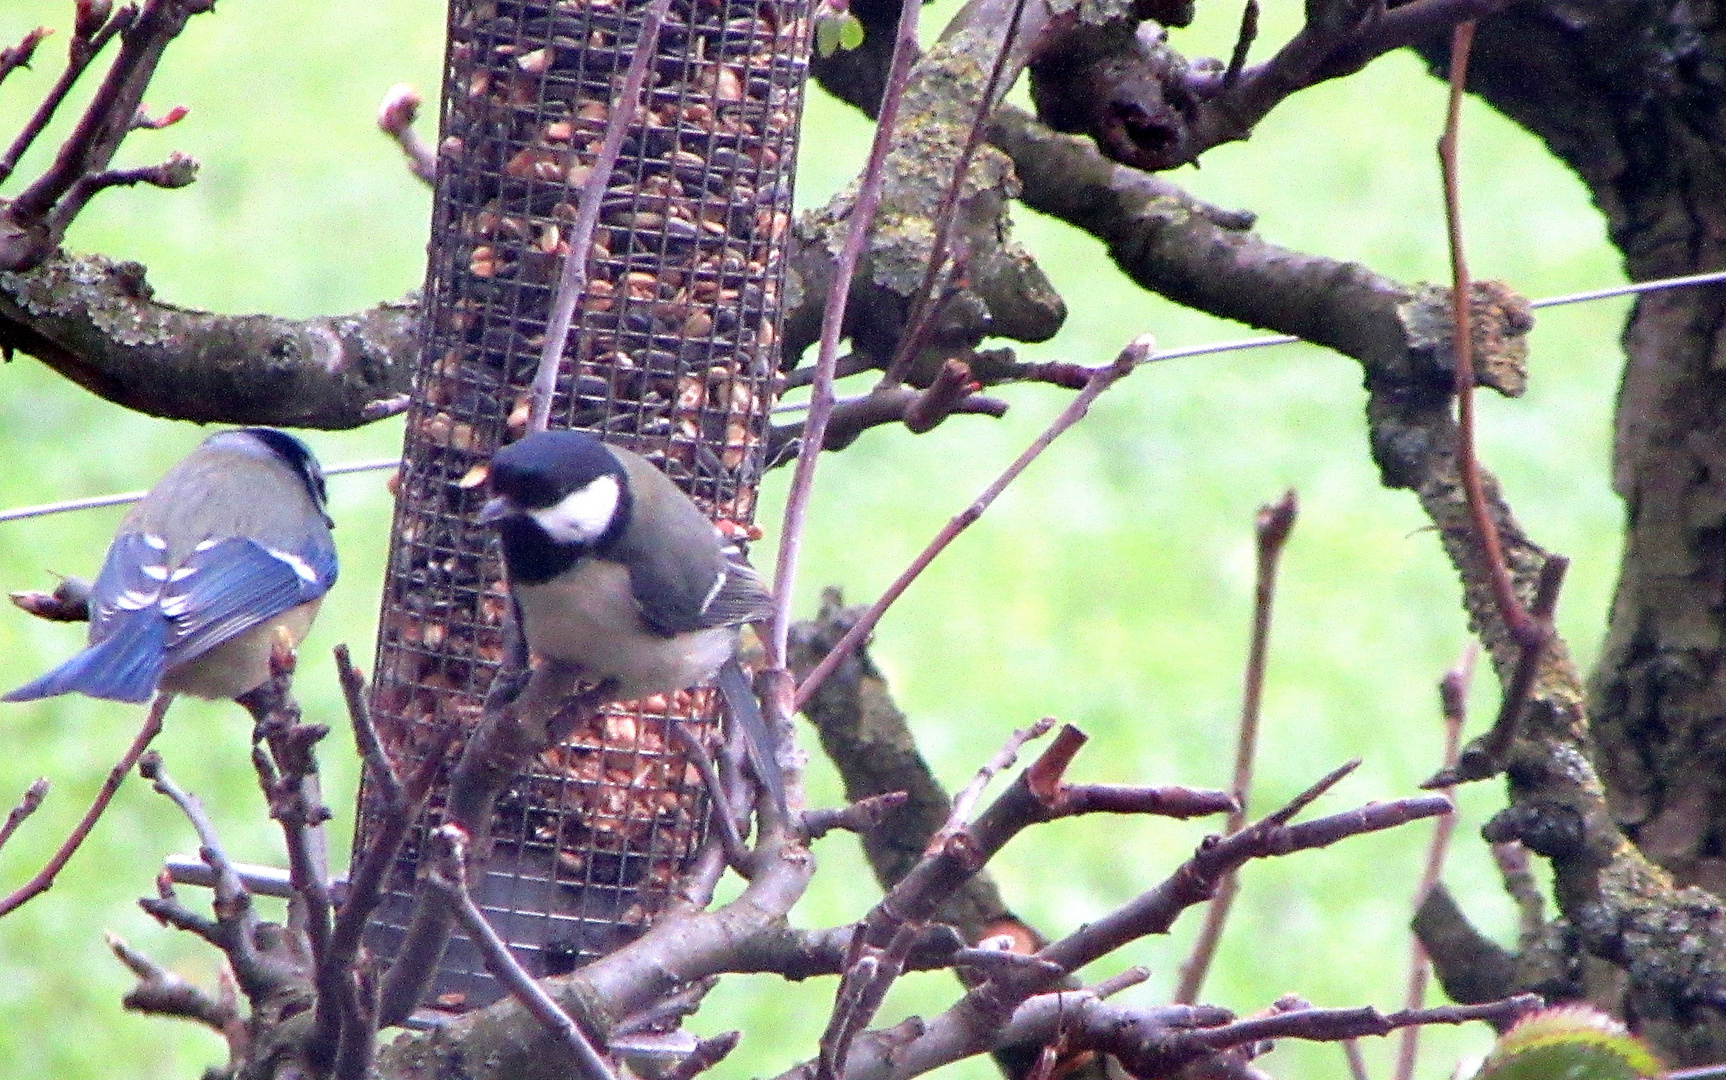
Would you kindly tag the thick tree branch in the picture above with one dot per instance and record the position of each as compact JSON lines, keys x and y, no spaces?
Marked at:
{"x":97,"y":322}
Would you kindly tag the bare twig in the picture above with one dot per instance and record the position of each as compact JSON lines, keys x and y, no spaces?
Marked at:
{"x":821,"y":398}
{"x":1271,"y":532}
{"x":966,"y":800}
{"x":884,"y":405}
{"x":27,"y":805}
{"x":1154,"y":911}
{"x":396,"y":115}
{"x":707,"y":1054}
{"x":161,"y":992}
{"x":1477,"y":761}
{"x":861,"y":817}
{"x":380,"y":771}
{"x":44,"y":877}
{"x":952,"y":386}
{"x":1453,"y":706}
{"x":448,"y":875}
{"x":1100,"y":380}
{"x":1517,"y":874}
{"x":289,"y":778}
{"x":719,"y":807}
{"x":261,"y":973}
{"x":1356,"y":1060}
{"x":83,"y":48}
{"x":338,"y":1030}
{"x":16,"y":56}
{"x":1331,"y":1024}
{"x":33,"y":223}
{"x":1516,"y":620}
{"x":176,"y":172}
{"x":572,"y":282}
{"x":69,"y":602}
{"x":1249,"y":32}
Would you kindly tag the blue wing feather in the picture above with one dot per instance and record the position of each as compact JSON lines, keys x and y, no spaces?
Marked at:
{"x":233,"y":585}
{"x":126,"y":665}
{"x":131,"y":580}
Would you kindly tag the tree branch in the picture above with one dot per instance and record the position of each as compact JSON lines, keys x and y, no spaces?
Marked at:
{"x":97,"y":323}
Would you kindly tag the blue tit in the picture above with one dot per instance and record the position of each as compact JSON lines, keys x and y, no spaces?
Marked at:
{"x":620,"y":580}
{"x":228,"y":554}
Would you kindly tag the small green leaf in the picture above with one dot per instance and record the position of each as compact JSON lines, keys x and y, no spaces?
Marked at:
{"x":835,"y":31}
{"x":850,"y":32}
{"x":1570,"y":1042}
{"x":829,"y":32}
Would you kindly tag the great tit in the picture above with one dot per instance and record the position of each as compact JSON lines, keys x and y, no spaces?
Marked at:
{"x":621,"y":581}
{"x":229,"y":553}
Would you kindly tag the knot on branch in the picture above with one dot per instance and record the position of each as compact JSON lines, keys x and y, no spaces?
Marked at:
{"x":1499,"y":323}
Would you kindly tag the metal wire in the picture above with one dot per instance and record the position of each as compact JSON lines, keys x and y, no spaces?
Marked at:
{"x":1605,"y":293}
{"x":94,"y":502}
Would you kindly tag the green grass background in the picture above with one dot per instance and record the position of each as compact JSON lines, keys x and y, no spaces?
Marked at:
{"x":1109,"y":588}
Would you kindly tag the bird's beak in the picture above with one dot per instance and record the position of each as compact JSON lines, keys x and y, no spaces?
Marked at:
{"x":496,"y":509}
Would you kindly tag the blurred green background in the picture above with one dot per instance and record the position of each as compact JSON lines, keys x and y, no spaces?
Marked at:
{"x":1109,"y":588}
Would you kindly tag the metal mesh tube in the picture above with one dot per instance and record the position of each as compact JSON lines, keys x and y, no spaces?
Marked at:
{"x":674,"y":354}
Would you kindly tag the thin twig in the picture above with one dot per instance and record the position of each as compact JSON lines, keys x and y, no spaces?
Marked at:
{"x":1004,"y":758}
{"x":1124,"y":980}
{"x":449,"y":876}
{"x":288,"y":775}
{"x":1271,"y":532}
{"x":1453,"y":706}
{"x":44,"y":877}
{"x":572,"y":282}
{"x":335,"y":1023}
{"x":27,"y":805}
{"x":379,"y":769}
{"x":719,"y":807}
{"x":1516,"y":620}
{"x":1248,"y":33}
{"x":1101,"y":379}
{"x":80,"y":52}
{"x":1356,"y":1060}
{"x":162,"y":992}
{"x":16,"y":56}
{"x":396,"y":115}
{"x":862,"y":817}
{"x":821,"y":399}
{"x":707,"y":1054}
{"x":1517,"y":874}
{"x":106,"y":120}
{"x":1484,"y":758}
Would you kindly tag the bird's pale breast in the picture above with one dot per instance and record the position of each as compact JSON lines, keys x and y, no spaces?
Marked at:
{"x":573,"y":620}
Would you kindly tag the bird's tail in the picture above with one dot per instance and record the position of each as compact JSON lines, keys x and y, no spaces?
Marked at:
{"x":124,"y":666}
{"x":746,"y":713}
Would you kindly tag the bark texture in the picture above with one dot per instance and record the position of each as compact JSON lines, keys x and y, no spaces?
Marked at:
{"x":1633,"y":98}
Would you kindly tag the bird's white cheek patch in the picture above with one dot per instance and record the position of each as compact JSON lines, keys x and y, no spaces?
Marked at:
{"x":583,"y":515}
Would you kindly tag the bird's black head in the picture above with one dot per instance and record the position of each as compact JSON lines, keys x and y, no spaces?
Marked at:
{"x":295,"y":454}
{"x":567,"y":484}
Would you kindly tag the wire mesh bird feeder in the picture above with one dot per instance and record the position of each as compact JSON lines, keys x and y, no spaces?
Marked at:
{"x":674,"y":353}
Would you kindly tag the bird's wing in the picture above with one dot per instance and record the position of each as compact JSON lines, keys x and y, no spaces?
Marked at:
{"x":124,"y":661}
{"x":131,"y":581}
{"x":228,"y":586}
{"x":739,"y":596}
